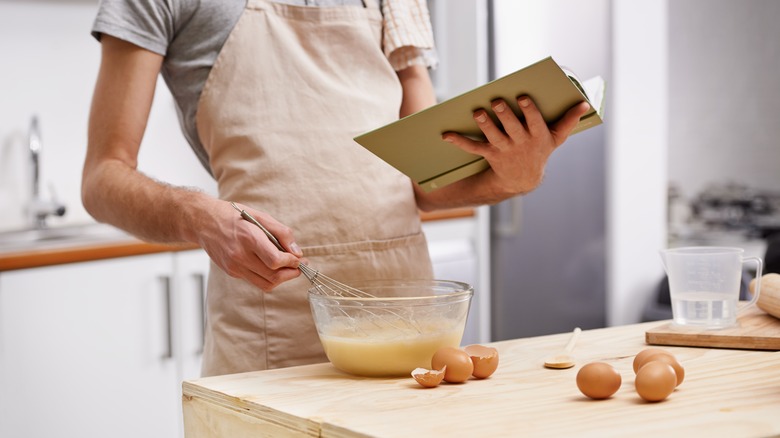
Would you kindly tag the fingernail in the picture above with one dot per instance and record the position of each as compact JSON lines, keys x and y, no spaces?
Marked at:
{"x":500,"y":107}
{"x":481,"y":117}
{"x":524,"y":102}
{"x":447,"y":138}
{"x":295,"y":248}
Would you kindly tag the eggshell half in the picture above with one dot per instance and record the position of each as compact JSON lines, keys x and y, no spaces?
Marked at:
{"x":485,"y":360}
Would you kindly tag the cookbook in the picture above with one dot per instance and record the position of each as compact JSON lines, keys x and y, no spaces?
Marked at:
{"x":413,"y":144}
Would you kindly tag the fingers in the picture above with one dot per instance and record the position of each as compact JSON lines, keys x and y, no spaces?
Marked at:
{"x":563,"y":127}
{"x":493,"y":133}
{"x":282,"y":233}
{"x":269,"y":280}
{"x":513,"y":126}
{"x":533,"y":118}
{"x":251,"y":255}
{"x":495,"y":136}
{"x":465,"y":143}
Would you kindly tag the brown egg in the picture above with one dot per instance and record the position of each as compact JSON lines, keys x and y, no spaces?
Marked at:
{"x":485,"y":360}
{"x":655,"y":381}
{"x":642,"y":357}
{"x":679,"y":371}
{"x":429,"y":378}
{"x":458,"y":363}
{"x":598,"y":380}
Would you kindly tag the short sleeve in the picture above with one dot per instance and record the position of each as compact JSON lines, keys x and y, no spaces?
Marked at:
{"x":408,"y":34}
{"x":147,"y":24}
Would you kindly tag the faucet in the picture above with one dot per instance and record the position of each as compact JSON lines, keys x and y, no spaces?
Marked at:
{"x":39,"y":208}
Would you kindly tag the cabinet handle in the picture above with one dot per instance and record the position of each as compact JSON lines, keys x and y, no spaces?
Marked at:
{"x":166,"y":283}
{"x":200,"y":280}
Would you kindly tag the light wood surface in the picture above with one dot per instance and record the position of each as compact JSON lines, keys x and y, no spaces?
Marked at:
{"x":756,"y":330}
{"x":726,"y":393}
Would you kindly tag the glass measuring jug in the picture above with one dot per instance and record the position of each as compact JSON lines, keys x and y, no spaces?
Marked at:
{"x":704,"y":284}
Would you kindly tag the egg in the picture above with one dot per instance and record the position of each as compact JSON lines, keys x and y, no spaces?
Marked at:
{"x":429,"y":378}
{"x":458,"y":363}
{"x":655,"y":381}
{"x":679,"y":371}
{"x":485,"y":360}
{"x":642,"y":357}
{"x":598,"y":380}
{"x":651,"y":354}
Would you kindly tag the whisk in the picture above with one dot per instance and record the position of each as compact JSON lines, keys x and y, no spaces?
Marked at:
{"x":321,"y":282}
{"x":328,"y":286}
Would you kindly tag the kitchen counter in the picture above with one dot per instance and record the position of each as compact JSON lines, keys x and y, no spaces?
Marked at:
{"x":47,"y":253}
{"x":725,"y":393}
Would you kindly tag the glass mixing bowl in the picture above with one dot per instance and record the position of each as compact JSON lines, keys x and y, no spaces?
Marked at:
{"x":395,"y":331}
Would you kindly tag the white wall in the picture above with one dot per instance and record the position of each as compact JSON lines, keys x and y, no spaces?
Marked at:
{"x":638,"y":136}
{"x":460,"y":32}
{"x":559,"y":28}
{"x":724,"y":97}
{"x":49,"y":64}
{"x":635,"y":120}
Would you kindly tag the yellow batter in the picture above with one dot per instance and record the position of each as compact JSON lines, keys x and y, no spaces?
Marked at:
{"x":388,"y":345}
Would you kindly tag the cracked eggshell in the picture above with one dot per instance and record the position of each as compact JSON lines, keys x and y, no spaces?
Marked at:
{"x":429,"y":378}
{"x":485,"y":360}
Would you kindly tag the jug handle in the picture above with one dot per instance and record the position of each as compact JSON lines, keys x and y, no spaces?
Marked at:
{"x":759,"y":269}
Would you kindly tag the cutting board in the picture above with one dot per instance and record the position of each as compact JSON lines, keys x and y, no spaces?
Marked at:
{"x":756,"y":330}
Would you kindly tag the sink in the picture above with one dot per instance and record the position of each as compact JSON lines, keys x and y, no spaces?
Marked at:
{"x":33,"y":238}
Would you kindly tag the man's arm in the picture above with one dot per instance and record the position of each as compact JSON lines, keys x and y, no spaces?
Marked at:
{"x":417,"y":88}
{"x":115,"y":192}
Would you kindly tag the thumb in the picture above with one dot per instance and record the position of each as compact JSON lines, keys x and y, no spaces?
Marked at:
{"x":563,"y":127}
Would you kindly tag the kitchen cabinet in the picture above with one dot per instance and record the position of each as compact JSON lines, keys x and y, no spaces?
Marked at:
{"x":99,"y":348}
{"x":458,"y":252}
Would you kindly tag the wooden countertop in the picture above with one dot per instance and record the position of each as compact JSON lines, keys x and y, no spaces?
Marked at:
{"x":726,"y":393}
{"x":39,"y":256}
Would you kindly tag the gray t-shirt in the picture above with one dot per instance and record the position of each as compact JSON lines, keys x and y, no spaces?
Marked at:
{"x":189,"y":34}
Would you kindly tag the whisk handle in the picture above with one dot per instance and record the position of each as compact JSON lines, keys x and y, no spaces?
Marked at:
{"x":248,"y":217}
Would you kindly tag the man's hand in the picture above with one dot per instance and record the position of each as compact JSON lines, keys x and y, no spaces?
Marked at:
{"x":518,"y":153}
{"x":115,"y":192}
{"x":242,"y":250}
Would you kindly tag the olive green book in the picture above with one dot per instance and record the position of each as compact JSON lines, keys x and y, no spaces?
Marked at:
{"x":413,"y":144}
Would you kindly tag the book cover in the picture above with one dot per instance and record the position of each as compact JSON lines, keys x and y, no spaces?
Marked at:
{"x":413,"y":144}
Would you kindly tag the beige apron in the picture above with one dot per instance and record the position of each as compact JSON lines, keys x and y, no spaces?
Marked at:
{"x":290,"y":89}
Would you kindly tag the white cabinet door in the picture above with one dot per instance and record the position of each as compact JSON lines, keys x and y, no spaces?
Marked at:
{"x":454,"y":246}
{"x":87,"y":350}
{"x":192,"y":268}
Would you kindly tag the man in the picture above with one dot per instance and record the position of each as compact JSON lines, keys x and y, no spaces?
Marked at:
{"x":270,"y":95}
